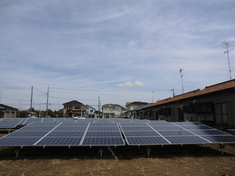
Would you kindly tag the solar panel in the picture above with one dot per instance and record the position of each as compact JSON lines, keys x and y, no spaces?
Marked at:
{"x":146,"y":141}
{"x":59,"y":141}
{"x":27,"y":135}
{"x":103,"y":141}
{"x":175,"y":133}
{"x":186,"y":140}
{"x":65,"y":134}
{"x":18,"y":141}
{"x":104,"y":134}
{"x":110,"y":132}
{"x":9,"y":123}
{"x":220,"y":139}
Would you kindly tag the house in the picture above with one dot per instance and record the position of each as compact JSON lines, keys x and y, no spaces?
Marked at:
{"x":213,"y":105}
{"x":112,"y":110}
{"x":90,"y":111}
{"x":133,"y":109}
{"x":73,"y":108}
{"x":7,"y":111}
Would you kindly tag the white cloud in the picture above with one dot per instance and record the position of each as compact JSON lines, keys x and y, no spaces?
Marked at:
{"x":131,"y":44}
{"x":130,"y":84}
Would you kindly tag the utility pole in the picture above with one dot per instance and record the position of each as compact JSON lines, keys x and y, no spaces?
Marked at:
{"x":181,"y":75}
{"x":31,"y":102}
{"x":99,"y":106}
{"x":47,"y":101}
{"x":227,"y":45}
{"x":39,"y":110}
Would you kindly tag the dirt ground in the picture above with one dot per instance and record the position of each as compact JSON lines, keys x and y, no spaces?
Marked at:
{"x":167,"y":160}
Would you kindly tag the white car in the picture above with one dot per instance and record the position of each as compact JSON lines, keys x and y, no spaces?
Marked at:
{"x":78,"y":117}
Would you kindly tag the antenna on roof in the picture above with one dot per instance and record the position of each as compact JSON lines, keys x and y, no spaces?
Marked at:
{"x":227,"y":45}
{"x":181,"y":75}
{"x":152,"y":96}
{"x":173,"y":90}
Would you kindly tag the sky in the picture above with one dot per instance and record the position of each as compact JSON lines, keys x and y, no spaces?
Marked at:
{"x":121,"y":51}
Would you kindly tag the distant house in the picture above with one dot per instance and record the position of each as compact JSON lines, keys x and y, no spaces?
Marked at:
{"x":73,"y":108}
{"x":7,"y":111}
{"x":90,"y":111}
{"x":112,"y":110}
{"x":133,"y":109}
{"x":214,"y":105}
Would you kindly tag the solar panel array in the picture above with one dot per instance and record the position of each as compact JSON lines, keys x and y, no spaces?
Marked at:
{"x":9,"y":123}
{"x":111,"y":132}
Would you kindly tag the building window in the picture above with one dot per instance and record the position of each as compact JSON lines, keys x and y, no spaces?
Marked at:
{"x":224,"y":113}
{"x":221,"y":113}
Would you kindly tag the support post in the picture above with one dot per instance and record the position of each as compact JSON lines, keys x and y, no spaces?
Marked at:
{"x":148,"y":150}
{"x":222,"y":146}
{"x":17,"y":151}
{"x":101,"y":152}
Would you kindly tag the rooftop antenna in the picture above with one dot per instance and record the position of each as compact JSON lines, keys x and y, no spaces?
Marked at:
{"x":181,"y":75}
{"x":0,"y":96}
{"x":227,"y":45}
{"x":152,"y":96}
{"x":173,"y":91}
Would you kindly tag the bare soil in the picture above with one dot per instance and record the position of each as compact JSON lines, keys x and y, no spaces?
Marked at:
{"x":167,"y":160}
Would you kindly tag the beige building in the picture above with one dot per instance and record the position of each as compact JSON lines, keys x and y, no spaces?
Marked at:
{"x":112,"y":110}
{"x":73,"y":108}
{"x":7,"y":111}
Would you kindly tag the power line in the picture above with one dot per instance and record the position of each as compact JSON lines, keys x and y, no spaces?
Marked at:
{"x":13,"y":99}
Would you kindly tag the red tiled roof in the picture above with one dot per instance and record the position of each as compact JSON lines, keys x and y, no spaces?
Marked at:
{"x":208,"y":89}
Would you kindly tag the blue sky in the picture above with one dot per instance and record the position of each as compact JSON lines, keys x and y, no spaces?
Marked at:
{"x":122,"y":51}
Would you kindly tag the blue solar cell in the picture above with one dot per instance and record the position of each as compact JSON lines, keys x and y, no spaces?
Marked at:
{"x":25,"y":133}
{"x":145,"y":128}
{"x":103,"y":141}
{"x":65,"y":134}
{"x":196,"y":127}
{"x":175,"y":133}
{"x":209,"y":132}
{"x":59,"y":141}
{"x":18,"y":141}
{"x":220,"y":139}
{"x":186,"y":123}
{"x":133,"y":124}
{"x":35,"y":128}
{"x":110,"y":124}
{"x":141,"y":133}
{"x":186,"y":140}
{"x":167,"y":128}
{"x":103,"y":134}
{"x":10,"y":123}
{"x":59,"y":128}
{"x":146,"y":141}
{"x":103,"y":129}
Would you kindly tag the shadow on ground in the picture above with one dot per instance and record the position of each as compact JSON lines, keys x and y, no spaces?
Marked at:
{"x":126,"y":152}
